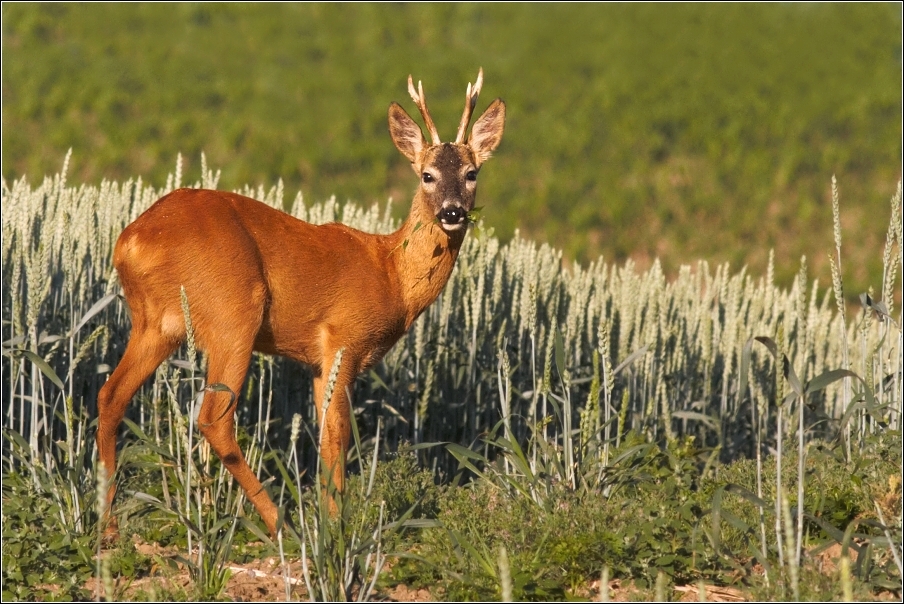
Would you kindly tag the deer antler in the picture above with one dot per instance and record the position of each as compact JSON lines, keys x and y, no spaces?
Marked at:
{"x":470,"y":102}
{"x":421,"y":101}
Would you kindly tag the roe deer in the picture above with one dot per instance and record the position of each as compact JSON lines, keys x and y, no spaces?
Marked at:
{"x":258,"y":279}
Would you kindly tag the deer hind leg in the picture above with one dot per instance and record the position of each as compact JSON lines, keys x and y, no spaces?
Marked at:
{"x":216,"y":422}
{"x":144,"y":353}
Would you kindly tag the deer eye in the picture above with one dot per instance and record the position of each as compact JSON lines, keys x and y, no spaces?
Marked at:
{"x":427,"y":177}
{"x":471,"y":175}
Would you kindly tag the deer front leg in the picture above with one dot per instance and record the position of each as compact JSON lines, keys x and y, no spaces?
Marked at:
{"x":335,"y":427}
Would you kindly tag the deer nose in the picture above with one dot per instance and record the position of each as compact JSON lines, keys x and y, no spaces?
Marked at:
{"x":452,"y":215}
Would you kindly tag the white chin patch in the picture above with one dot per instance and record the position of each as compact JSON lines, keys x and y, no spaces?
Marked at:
{"x":453,"y":227}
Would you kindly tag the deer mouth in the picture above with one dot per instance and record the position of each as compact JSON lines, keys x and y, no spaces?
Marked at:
{"x":453,"y":218}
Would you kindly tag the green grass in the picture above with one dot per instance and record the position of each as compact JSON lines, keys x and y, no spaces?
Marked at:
{"x":555,"y":549}
{"x":632,"y":131}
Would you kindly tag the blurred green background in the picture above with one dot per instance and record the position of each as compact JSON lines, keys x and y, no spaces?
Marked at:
{"x":671,"y":131}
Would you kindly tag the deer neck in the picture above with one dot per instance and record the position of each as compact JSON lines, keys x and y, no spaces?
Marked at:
{"x":424,"y":256}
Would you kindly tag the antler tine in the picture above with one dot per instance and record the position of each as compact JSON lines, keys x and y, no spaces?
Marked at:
{"x":470,"y":102}
{"x":418,"y":97}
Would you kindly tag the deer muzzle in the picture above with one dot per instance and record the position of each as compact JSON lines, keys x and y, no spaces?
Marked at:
{"x":453,"y":217}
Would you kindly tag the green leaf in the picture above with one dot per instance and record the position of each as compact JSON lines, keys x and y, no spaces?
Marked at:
{"x":136,"y":429}
{"x":253,"y":528}
{"x":693,"y":415}
{"x":878,"y":307}
{"x":828,"y":377}
{"x":744,"y":369}
{"x":735,"y":521}
{"x":717,"y":519}
{"x":95,"y":308}
{"x":46,"y":369}
{"x":376,"y":379}
{"x":787,"y":368}
{"x":746,"y":494}
{"x":463,"y":452}
{"x":419,"y":446}
{"x":631,"y":358}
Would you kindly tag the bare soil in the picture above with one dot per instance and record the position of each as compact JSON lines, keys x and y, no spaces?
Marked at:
{"x":266,"y":580}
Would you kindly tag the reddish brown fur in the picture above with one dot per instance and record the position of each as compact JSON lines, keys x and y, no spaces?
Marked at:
{"x":258,"y":279}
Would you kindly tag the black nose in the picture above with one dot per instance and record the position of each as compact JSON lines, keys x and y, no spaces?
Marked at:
{"x":451,"y":215}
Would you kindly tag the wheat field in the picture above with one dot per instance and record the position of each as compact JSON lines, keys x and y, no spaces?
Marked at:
{"x":558,"y":362}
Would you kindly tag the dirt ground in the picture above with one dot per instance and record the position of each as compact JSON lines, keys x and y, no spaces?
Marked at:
{"x":265,"y":581}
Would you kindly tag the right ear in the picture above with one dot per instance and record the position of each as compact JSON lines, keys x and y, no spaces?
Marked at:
{"x":405,"y":133}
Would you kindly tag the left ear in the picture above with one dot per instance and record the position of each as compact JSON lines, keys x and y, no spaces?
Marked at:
{"x":487,"y":131}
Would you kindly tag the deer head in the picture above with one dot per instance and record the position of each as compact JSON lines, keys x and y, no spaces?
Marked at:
{"x":448,"y":171}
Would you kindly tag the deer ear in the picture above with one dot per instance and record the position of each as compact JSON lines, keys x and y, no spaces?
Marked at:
{"x":487,"y":131}
{"x":405,"y":133}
